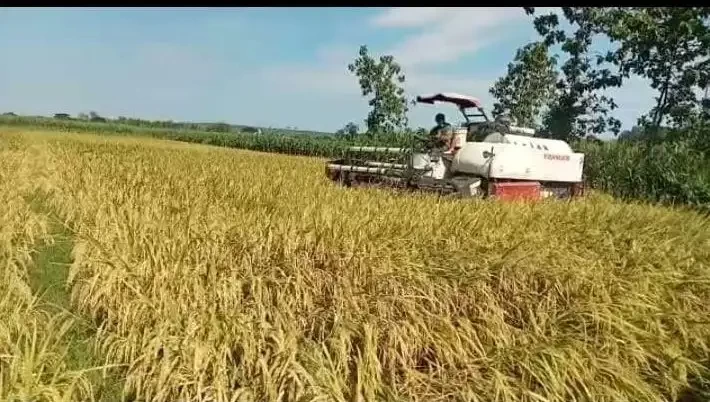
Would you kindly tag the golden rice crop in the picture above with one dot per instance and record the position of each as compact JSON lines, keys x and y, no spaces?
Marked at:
{"x":32,"y":350}
{"x":222,"y":275}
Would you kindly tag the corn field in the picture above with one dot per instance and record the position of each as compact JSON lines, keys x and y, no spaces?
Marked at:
{"x":212,"y":274}
{"x":671,"y":173}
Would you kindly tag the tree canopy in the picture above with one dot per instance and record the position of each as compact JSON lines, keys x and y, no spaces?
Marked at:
{"x":668,"y":46}
{"x":560,"y":83}
{"x":383,"y":80}
{"x":528,"y":86}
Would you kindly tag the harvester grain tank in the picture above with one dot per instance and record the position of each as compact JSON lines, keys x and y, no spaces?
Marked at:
{"x":485,"y":158}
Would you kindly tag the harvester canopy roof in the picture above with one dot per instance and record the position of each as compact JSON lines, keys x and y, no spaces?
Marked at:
{"x":462,"y":101}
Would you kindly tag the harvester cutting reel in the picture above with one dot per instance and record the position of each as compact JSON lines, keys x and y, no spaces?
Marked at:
{"x":404,"y":169}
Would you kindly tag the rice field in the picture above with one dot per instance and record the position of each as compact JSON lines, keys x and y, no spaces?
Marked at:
{"x":195,"y":273}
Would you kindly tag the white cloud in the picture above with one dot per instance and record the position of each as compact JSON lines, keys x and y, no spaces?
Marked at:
{"x":447,"y":34}
{"x":441,"y":35}
{"x":404,"y":17}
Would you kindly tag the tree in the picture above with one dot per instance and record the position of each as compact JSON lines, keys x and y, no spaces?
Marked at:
{"x":671,"y":47}
{"x":382,"y":79}
{"x":645,"y":133}
{"x":579,"y":110}
{"x":528,"y":86}
{"x":218,"y":127}
{"x":93,"y":116}
{"x":349,"y":131}
{"x":635,"y":134}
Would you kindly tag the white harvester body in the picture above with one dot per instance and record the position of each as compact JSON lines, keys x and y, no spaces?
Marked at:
{"x":519,"y":158}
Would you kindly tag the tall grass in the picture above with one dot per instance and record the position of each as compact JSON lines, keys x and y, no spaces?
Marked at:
{"x":669,"y":172}
{"x":221,"y":275}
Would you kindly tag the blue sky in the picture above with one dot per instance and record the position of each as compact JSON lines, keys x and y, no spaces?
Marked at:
{"x":261,"y":66}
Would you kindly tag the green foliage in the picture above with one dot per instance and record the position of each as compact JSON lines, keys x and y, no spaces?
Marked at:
{"x":247,"y":130}
{"x":528,"y":86}
{"x":383,"y":80}
{"x":697,"y":135}
{"x":668,"y":165}
{"x":669,"y":172}
{"x":668,"y":45}
{"x":645,"y":133}
{"x":93,"y":116}
{"x":219,"y":128}
{"x":348,"y":132}
{"x":671,"y":48}
{"x":635,"y":134}
{"x":580,"y":109}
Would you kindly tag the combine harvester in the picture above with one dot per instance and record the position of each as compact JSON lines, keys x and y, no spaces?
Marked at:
{"x":487,"y":159}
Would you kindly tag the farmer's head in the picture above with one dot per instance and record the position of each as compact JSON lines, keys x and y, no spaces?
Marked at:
{"x":440,"y":118}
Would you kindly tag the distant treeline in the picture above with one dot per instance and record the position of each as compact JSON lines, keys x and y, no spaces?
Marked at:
{"x":212,"y":127}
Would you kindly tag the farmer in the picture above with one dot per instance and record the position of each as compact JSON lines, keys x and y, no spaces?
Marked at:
{"x":442,"y":135}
